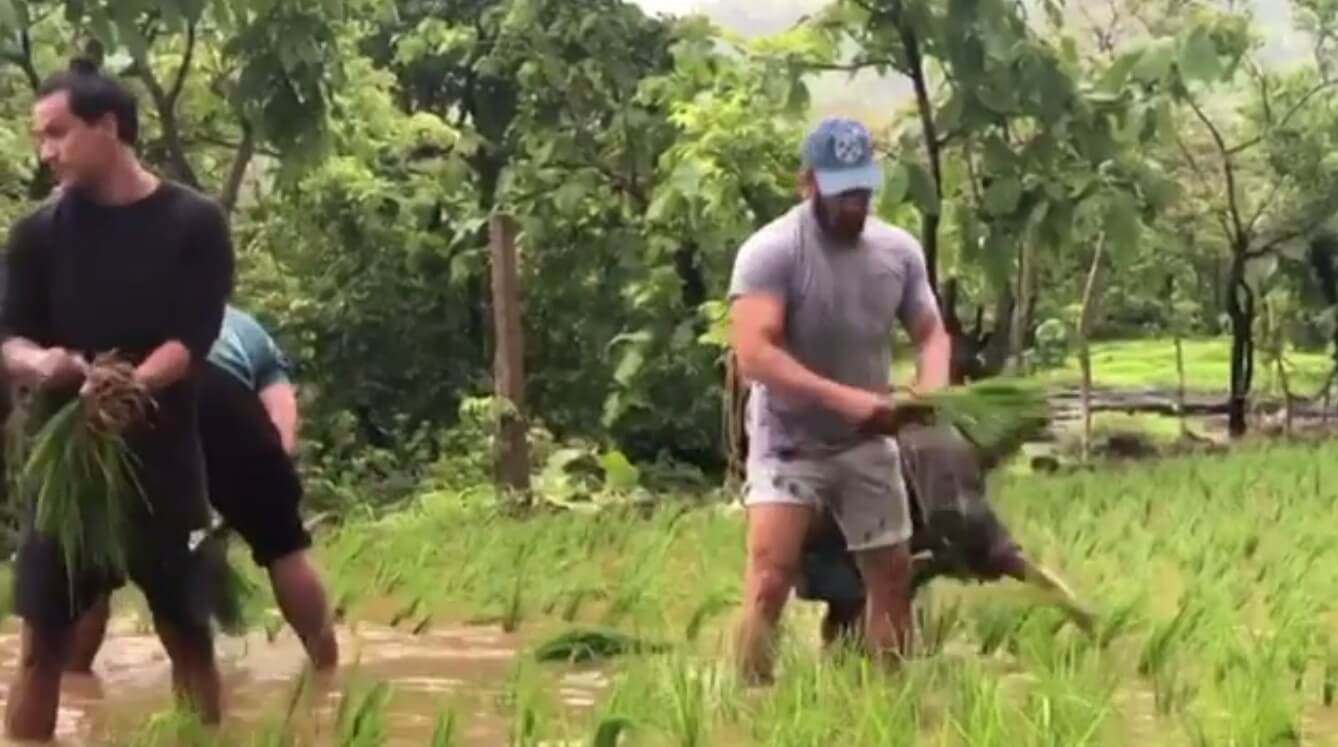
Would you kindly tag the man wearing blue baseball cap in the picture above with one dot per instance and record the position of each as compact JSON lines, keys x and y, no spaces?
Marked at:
{"x":814,"y":298}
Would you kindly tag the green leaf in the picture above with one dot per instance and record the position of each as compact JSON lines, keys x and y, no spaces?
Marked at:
{"x":1198,"y":58}
{"x":1002,"y":196}
{"x":9,"y":16}
{"x":569,"y":196}
{"x":619,"y":473}
{"x":1154,"y":64}
{"x":629,"y":366}
{"x":997,"y":99}
{"x":1121,"y":222}
{"x":922,"y":188}
{"x":895,"y":184}
{"x":949,"y":115}
{"x":1115,"y":76}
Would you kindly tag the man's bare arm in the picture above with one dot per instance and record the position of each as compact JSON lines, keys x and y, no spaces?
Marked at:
{"x":756,"y":325}
{"x":165,"y":366}
{"x":280,"y":401}
{"x":933,"y":352}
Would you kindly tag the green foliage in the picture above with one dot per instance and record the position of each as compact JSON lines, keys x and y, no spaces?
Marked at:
{"x":363,"y":161}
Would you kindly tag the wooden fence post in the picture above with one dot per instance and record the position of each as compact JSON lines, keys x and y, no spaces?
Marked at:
{"x":512,"y":447}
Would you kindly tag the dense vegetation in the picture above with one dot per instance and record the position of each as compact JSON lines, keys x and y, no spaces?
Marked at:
{"x":1102,"y":170}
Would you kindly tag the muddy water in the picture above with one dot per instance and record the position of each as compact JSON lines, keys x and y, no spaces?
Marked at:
{"x":464,"y":669}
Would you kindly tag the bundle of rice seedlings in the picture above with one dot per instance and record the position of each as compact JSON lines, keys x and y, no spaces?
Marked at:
{"x":82,"y":473}
{"x":996,"y":415}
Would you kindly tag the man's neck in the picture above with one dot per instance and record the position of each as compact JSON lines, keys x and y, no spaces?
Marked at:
{"x":126,"y":183}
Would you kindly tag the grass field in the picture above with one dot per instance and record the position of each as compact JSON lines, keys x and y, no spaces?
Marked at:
{"x":1140,"y":364}
{"x":1213,"y":577}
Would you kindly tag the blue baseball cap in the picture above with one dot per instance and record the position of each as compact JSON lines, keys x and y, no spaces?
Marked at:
{"x":839,"y":151}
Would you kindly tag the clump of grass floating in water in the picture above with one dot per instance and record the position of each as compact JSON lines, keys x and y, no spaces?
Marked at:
{"x":82,"y":472}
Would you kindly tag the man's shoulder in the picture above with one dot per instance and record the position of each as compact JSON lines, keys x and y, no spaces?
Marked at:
{"x":242,"y":324}
{"x":780,"y":234}
{"x":193,"y":203}
{"x":35,"y":227}
{"x":886,"y":237}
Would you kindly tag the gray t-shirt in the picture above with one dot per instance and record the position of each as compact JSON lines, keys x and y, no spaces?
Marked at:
{"x":840,"y":305}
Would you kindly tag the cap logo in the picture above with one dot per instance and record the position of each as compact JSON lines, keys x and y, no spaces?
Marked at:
{"x":847,"y":147}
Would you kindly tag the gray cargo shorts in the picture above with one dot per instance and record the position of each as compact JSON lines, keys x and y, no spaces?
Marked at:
{"x":862,"y":487}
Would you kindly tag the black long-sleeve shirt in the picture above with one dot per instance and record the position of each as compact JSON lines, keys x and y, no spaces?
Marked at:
{"x":93,"y":278}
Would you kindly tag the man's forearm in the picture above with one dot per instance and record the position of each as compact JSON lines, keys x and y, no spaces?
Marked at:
{"x":280,"y":402}
{"x":21,"y":358}
{"x":933,"y":361}
{"x":165,"y":366}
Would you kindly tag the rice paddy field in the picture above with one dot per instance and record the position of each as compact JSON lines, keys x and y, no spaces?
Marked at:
{"x":1213,"y":577}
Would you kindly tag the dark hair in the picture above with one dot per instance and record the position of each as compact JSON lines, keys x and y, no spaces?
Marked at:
{"x":94,"y":95}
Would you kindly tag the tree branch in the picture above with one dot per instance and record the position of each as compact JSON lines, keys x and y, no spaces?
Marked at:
{"x":167,"y":116}
{"x":23,"y":59}
{"x":1203,"y":178}
{"x":240,"y":161}
{"x":1266,"y":203}
{"x":1228,"y":170}
{"x":183,"y":71}
{"x":1295,"y":108}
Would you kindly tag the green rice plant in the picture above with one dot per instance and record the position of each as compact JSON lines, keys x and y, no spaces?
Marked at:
{"x":688,"y":690}
{"x":715,"y":604}
{"x":979,"y":714}
{"x":361,"y":717}
{"x":86,"y":488}
{"x":995,"y":414}
{"x":1160,"y":646}
{"x":610,"y":730}
{"x":445,"y":733}
{"x":175,"y":727}
{"x":936,"y":625}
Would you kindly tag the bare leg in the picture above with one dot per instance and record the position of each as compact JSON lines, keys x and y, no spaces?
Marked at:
{"x":34,"y":698}
{"x":887,"y":583}
{"x":89,"y":633}
{"x":301,"y":597}
{"x":775,"y":541}
{"x":194,"y":671}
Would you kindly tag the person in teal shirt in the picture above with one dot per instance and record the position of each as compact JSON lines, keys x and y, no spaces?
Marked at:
{"x":248,"y":421}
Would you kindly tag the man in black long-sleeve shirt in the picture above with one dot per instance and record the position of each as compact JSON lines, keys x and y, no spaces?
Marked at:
{"x":119,"y":260}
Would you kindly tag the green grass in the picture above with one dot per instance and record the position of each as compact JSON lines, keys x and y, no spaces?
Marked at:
{"x":1136,"y":364}
{"x":1151,"y":363}
{"x":1213,"y":577}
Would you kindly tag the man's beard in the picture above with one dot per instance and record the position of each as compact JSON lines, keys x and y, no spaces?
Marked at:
{"x":844,"y":229}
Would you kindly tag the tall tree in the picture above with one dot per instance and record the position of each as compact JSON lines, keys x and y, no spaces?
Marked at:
{"x":225,"y":80}
{"x":1254,"y":148}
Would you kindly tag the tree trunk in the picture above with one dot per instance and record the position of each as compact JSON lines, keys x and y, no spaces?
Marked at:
{"x":241,"y":160}
{"x":512,"y":448}
{"x":1021,"y":310}
{"x":915,"y":70}
{"x":996,"y":352}
{"x":1084,"y":349}
{"x":1240,"y":309}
